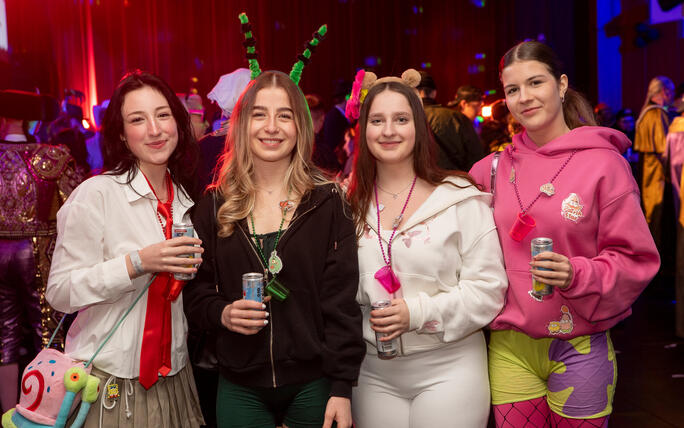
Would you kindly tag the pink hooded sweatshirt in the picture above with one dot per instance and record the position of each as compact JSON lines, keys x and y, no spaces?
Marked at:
{"x":594,"y":218}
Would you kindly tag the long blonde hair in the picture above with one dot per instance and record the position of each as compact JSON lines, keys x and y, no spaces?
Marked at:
{"x":654,"y":87}
{"x":235,"y":181}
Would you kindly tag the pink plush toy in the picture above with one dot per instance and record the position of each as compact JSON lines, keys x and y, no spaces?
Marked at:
{"x":49,"y":387}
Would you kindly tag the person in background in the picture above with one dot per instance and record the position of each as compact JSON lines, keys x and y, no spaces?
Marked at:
{"x":624,"y":121}
{"x":551,"y":359}
{"x":604,"y":115}
{"x":468,"y":100}
{"x":457,"y":142}
{"x":94,"y":143}
{"x":36,"y":179}
{"x":675,"y":155}
{"x":225,"y":93}
{"x":193,"y":104}
{"x":649,"y":142}
{"x":331,"y":137}
{"x":317,"y":110}
{"x":113,"y":238}
{"x":494,"y":130}
{"x":428,"y":246}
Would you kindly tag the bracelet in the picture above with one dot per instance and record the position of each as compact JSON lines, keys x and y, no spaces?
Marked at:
{"x":136,"y":261}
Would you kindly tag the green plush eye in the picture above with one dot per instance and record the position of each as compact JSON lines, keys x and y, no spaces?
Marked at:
{"x":75,"y":379}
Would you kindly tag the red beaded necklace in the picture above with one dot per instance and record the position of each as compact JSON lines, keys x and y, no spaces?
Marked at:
{"x":165,"y":208}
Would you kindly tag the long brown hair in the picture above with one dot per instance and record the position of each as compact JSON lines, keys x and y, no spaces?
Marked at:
{"x":576,"y":109}
{"x":235,"y":181}
{"x":365,"y":168}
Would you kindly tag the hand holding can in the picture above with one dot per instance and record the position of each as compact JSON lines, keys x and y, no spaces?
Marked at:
{"x":184,"y":229}
{"x":387,"y":349}
{"x":538,"y":246}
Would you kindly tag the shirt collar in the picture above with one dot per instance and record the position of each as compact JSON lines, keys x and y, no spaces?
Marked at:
{"x":139,"y":188}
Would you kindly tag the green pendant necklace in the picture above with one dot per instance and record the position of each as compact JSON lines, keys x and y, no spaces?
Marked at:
{"x":275,"y":264}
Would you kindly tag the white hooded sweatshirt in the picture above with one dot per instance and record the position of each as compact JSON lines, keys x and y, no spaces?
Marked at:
{"x":449,"y":262}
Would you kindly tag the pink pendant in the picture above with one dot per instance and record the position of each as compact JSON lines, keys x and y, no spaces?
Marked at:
{"x":388,"y":279}
{"x":522,"y":226}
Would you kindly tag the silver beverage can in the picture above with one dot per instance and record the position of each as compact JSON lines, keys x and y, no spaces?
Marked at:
{"x":540,"y":245}
{"x":184,"y":229}
{"x":389,"y":349}
{"x":253,"y":286}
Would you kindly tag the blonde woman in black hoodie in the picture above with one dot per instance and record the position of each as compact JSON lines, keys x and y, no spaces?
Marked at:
{"x":292,"y":359}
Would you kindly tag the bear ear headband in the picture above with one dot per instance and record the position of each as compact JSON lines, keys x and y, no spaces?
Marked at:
{"x":366,"y":80}
{"x":302,"y":60}
{"x":410,"y":78}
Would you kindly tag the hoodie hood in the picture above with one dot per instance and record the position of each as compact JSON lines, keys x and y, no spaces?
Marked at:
{"x":584,"y":137}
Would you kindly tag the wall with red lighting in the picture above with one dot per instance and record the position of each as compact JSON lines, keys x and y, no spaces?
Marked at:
{"x":89,"y":44}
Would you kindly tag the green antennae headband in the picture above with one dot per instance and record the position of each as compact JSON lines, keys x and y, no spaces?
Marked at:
{"x":250,"y":45}
{"x":302,"y":60}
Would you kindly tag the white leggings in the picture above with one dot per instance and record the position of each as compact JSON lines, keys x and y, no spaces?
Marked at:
{"x":440,"y":388}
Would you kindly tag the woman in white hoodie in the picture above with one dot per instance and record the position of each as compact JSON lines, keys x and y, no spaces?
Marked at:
{"x":427,"y":243}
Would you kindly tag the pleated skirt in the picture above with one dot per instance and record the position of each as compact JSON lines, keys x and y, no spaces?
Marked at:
{"x":172,"y":402}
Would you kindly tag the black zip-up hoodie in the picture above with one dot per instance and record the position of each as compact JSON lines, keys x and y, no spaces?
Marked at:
{"x":316,"y":332}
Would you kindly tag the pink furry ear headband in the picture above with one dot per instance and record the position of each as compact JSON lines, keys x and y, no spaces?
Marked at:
{"x":366,"y":80}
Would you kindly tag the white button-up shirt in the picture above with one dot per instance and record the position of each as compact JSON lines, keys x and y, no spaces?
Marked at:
{"x":103,"y":220}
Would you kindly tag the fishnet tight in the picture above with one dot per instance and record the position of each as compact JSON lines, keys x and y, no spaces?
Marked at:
{"x":536,"y":414}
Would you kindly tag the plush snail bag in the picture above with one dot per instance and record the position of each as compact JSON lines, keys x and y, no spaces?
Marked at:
{"x":49,"y":388}
{"x":52,"y":383}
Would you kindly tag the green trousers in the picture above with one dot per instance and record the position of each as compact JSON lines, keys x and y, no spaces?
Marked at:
{"x":298,"y":406}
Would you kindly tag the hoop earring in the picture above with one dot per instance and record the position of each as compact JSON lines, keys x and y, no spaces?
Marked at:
{"x":562,"y":99}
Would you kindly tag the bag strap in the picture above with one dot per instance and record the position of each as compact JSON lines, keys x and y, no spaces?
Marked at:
{"x":492,"y":183}
{"x":118,"y":323}
{"x":111,"y":333}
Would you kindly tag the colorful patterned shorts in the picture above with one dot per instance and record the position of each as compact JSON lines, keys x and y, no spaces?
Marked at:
{"x":577,"y":376}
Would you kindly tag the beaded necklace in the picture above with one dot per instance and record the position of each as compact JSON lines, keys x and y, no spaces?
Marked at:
{"x":385,"y":275}
{"x":274,"y":287}
{"x":524,"y":223}
{"x":166,"y":208}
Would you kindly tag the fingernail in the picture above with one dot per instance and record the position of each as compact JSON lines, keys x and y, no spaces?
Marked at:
{"x":265,"y":322}
{"x":267,"y":313}
{"x":263,"y":306}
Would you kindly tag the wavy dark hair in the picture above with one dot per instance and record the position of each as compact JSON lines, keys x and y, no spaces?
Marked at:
{"x":117,"y":157}
{"x":424,"y":161}
{"x":577,"y":111}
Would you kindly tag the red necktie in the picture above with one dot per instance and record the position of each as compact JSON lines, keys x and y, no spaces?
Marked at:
{"x":155,"y":355}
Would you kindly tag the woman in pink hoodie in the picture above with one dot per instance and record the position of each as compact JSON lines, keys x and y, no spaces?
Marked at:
{"x":551,"y":360}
